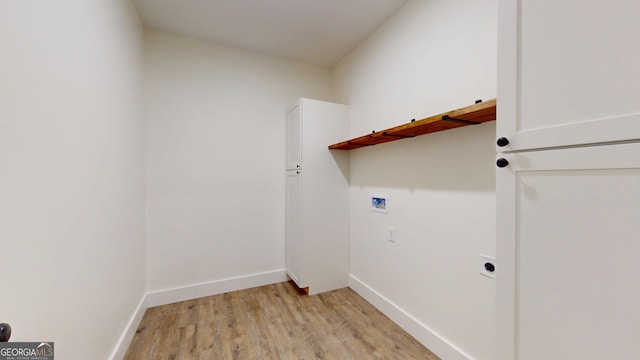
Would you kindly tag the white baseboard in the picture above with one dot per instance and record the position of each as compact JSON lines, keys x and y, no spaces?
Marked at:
{"x":169,"y":296}
{"x":429,"y":338}
{"x":125,"y":340}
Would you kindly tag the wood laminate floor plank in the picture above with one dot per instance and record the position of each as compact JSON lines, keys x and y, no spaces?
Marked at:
{"x":269,"y":322}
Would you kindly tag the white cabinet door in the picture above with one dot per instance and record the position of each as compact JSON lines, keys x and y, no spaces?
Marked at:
{"x":568,"y":254}
{"x":568,"y":72}
{"x":294,"y":255}
{"x":294,"y":134}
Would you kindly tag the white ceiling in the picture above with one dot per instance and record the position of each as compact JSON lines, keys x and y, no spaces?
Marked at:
{"x":320,"y":32}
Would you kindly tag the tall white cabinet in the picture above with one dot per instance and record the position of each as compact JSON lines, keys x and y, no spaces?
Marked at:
{"x":317,"y":196}
{"x":568,"y":181}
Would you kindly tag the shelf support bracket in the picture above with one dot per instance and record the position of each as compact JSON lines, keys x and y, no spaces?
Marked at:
{"x":459,"y":121}
{"x":397,"y":135}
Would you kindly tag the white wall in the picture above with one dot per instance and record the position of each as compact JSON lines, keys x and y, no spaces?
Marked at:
{"x":431,"y":57}
{"x":71,"y":172}
{"x":215,"y":120}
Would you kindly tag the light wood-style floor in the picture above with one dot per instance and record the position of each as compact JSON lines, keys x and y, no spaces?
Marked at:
{"x":273,"y":322}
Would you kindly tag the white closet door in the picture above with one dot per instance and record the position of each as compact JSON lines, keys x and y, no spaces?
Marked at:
{"x":569,"y":72}
{"x":568,"y":255}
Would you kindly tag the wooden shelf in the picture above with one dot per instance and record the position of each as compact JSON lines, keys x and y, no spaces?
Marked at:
{"x":470,"y":115}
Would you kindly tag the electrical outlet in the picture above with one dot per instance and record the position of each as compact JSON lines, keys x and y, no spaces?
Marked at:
{"x":487,"y":266}
{"x":392,"y":235}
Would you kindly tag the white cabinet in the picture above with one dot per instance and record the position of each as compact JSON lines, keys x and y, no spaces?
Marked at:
{"x":317,"y":204}
{"x":568,"y":72}
{"x":568,"y":196}
{"x":568,"y":245}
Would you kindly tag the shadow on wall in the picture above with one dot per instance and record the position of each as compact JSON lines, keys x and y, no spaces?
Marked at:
{"x":461,"y":159}
{"x":342,"y":161}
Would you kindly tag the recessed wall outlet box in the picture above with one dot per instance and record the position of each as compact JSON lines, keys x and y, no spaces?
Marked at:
{"x":487,"y":266}
{"x":379,"y":204}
